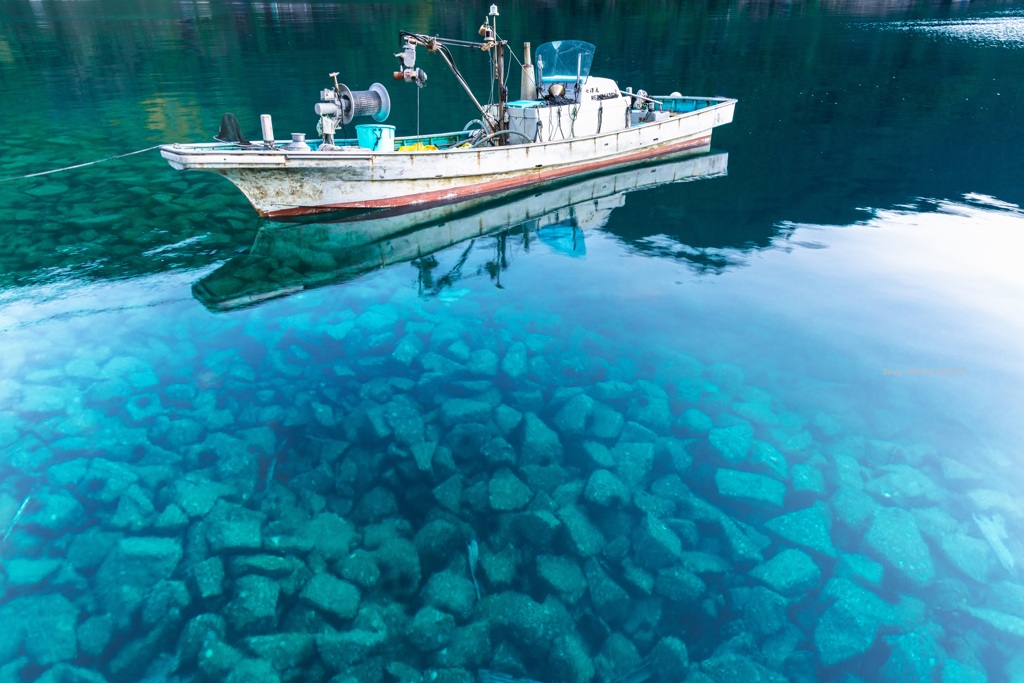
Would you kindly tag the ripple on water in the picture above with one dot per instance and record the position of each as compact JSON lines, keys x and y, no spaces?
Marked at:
{"x":986,"y":32}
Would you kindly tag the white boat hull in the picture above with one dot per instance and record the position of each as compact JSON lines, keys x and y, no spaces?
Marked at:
{"x":280,"y":183}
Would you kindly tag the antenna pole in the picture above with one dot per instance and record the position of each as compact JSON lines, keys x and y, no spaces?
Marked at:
{"x":499,"y":65}
{"x":502,"y":92}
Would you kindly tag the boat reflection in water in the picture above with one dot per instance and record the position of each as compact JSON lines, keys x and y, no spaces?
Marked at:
{"x":290,"y":258}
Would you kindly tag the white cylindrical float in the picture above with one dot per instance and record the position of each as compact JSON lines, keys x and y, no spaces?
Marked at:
{"x":267,"y":126}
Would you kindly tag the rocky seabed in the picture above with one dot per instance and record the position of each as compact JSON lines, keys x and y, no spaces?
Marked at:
{"x":394,"y":494}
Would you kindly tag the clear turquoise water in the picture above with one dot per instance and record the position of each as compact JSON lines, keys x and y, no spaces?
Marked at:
{"x":762,"y":424}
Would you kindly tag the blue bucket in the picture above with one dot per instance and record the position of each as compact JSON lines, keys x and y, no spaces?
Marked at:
{"x":375,"y":137}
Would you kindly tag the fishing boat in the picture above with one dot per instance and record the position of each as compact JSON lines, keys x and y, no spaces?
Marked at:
{"x":287,"y":258}
{"x":565,"y":124}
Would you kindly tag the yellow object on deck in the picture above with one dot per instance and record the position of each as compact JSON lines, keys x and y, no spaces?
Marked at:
{"x":418,"y":147}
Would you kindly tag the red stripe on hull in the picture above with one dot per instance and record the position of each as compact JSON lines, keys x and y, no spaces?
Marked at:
{"x":457,"y":194}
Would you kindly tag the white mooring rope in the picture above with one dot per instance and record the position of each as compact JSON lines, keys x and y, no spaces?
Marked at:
{"x":68,"y":168}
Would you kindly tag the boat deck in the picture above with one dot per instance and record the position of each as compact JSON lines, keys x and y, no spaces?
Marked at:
{"x":439,"y":142}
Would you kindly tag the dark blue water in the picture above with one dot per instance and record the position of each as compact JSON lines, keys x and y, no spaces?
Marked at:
{"x":750,"y":416}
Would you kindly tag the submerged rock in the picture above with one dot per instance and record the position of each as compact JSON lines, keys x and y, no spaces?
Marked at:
{"x":506,"y":492}
{"x":540,"y":443}
{"x":913,"y":658}
{"x":274,"y":566}
{"x":605,"y":422}
{"x":573,"y":416}
{"x":605,"y":489}
{"x":807,"y":477}
{"x":954,"y":671}
{"x":853,"y":507}
{"x":1005,"y":623}
{"x":652,"y":411}
{"x":608,"y":598}
{"x":233,"y":535}
{"x":537,"y":528}
{"x":563,"y":575}
{"x":248,"y":670}
{"x":791,"y":572}
{"x":196,"y":496}
{"x":669,"y":658}
{"x":133,"y":567}
{"x":844,"y":631}
{"x":586,"y":538}
{"x":895,"y":538}
{"x":44,"y":625}
{"x":449,"y":493}
{"x":330,"y":534}
{"x":331,"y":595}
{"x":744,"y":542}
{"x":515,"y":362}
{"x":905,"y":486}
{"x":730,"y":668}
{"x":810,"y":527}
{"x":430,"y":629}
{"x":655,"y":544}
{"x":206,"y":578}
{"x":695,"y":422}
{"x":254,"y":607}
{"x":679,"y":586}
{"x":94,"y":634}
{"x":399,"y":564}
{"x":750,"y":487}
{"x":461,"y":410}
{"x":570,"y":660}
{"x":343,"y":650}
{"x":732,"y":443}
{"x":633,"y":461}
{"x":498,"y":451}
{"x":25,"y":572}
{"x":860,"y":567}
{"x":507,"y":419}
{"x":970,"y":555}
{"x":452,"y":593}
{"x":65,"y":673}
{"x":58,"y":511}
{"x":360,"y":568}
{"x":763,"y":610}
{"x":618,"y":657}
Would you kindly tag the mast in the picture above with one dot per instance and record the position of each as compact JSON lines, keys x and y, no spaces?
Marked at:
{"x":435,"y":44}
{"x":499,"y":65}
{"x":409,"y":73}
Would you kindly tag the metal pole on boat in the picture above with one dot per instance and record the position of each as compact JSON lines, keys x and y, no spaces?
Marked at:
{"x":527,"y":88}
{"x":502,"y":91}
{"x":499,"y":64}
{"x":267,"y":126}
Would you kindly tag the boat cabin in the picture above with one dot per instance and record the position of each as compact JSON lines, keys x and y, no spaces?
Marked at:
{"x":570,"y":103}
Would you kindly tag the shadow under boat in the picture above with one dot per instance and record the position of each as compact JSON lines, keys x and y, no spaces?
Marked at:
{"x":287,"y":258}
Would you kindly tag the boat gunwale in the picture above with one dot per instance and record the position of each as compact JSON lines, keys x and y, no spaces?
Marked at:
{"x":184,"y":150}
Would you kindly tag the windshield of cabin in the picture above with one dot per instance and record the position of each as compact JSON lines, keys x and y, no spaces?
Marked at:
{"x":562,"y":61}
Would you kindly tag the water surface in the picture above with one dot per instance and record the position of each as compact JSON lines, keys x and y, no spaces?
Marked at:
{"x":749,"y":416}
